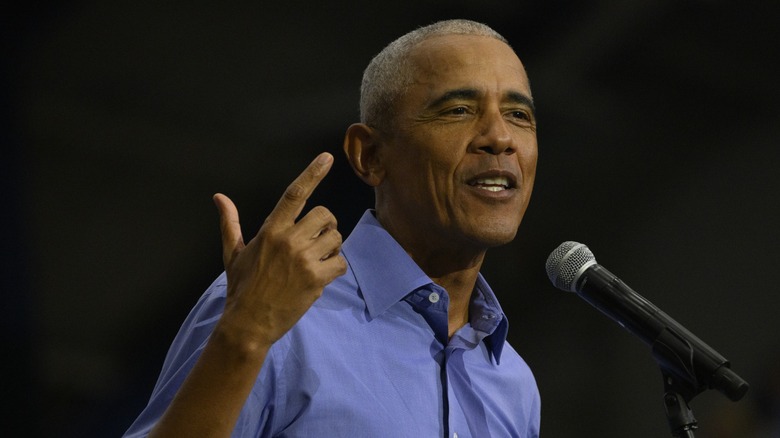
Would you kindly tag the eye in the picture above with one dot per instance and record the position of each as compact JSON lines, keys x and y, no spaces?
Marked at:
{"x":520,"y":115}
{"x":458,"y":111}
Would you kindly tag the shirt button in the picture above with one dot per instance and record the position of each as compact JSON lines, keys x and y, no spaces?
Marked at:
{"x":455,"y":435}
{"x":433,"y":297}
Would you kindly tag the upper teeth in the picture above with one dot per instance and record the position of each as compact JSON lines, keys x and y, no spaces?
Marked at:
{"x":493,"y":184}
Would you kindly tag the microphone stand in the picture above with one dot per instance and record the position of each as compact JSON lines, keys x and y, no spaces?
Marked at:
{"x":679,"y":415}
{"x":685,"y":378}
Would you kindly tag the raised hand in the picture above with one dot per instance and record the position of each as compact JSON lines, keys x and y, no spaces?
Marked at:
{"x":272,"y":281}
{"x":277,"y":276}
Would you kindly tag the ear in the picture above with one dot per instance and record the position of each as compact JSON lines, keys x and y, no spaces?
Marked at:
{"x":361,"y":144}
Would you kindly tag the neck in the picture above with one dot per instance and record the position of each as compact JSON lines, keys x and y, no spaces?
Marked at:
{"x":453,"y":267}
{"x":459,"y":286}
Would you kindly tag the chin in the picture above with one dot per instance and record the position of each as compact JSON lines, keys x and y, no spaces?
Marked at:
{"x":496,"y":234}
{"x":498,"y":240}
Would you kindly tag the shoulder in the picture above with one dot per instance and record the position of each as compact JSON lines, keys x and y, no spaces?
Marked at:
{"x":512,"y":360}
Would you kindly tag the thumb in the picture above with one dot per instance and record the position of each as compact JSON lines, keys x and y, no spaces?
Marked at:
{"x":230,"y":227}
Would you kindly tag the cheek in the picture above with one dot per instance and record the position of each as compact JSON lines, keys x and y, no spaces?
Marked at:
{"x":418,"y":179}
{"x":431,"y":160}
{"x":529,"y":169}
{"x":527,"y":157}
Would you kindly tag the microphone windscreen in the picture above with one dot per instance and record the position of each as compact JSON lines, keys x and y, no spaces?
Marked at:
{"x":566,"y":262}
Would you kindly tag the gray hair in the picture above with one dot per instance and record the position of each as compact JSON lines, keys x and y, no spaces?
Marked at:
{"x":390,"y":72}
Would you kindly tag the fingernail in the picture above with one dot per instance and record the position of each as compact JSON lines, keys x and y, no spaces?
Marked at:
{"x":324,"y":158}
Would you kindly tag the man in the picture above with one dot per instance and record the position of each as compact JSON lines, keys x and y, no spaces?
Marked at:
{"x":395,"y":333}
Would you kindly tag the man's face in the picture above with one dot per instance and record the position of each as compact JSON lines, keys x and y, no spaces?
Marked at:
{"x":460,"y":158}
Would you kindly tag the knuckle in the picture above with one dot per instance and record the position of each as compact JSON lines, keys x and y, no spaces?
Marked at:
{"x":295,"y":191}
{"x":322,"y":213}
{"x":265,"y":229}
{"x":335,"y":237}
{"x":337,"y":268}
{"x":341,"y":265}
{"x":269,"y":226}
{"x":268,"y":233}
{"x":310,"y":269}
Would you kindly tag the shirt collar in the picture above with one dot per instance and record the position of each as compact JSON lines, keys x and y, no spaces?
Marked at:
{"x":383,"y":280}
{"x":486,"y":315}
{"x":386,"y":280}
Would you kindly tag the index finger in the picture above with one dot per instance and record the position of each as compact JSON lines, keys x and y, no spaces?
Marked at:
{"x":294,"y":198}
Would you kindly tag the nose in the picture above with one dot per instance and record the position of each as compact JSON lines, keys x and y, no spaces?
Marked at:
{"x":493,"y":135}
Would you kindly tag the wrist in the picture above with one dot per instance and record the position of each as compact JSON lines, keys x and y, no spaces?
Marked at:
{"x":240,"y":341}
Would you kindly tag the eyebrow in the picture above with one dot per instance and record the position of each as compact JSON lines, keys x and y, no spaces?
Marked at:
{"x":521,"y":99}
{"x":471,"y":94}
{"x":458,"y":94}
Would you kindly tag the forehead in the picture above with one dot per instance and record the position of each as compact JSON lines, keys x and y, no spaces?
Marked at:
{"x":468,"y":60}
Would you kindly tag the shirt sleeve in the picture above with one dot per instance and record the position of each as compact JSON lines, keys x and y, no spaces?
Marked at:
{"x":534,"y":425}
{"x":182,"y":355}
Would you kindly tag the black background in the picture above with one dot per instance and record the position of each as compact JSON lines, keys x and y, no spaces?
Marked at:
{"x":658,"y":142}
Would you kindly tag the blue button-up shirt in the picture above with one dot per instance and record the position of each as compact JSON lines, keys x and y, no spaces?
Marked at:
{"x":372,"y":358}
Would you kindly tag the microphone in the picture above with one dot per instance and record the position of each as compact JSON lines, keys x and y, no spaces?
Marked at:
{"x":572,"y":267}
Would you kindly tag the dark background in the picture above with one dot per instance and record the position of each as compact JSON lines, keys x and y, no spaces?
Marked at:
{"x":659,"y":139}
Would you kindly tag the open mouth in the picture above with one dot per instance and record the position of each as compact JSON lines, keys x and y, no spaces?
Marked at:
{"x":493,"y":183}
